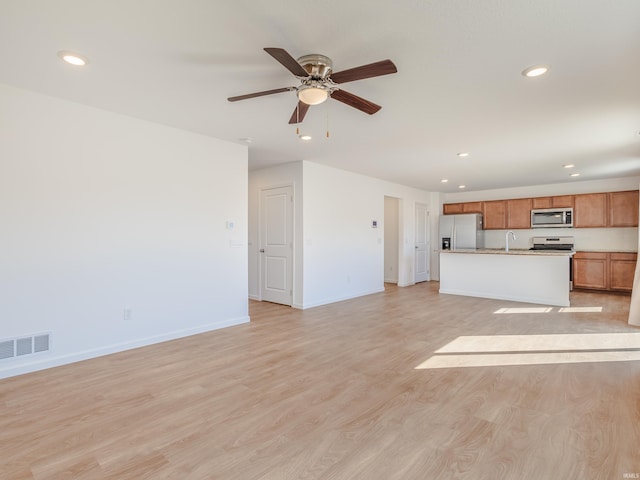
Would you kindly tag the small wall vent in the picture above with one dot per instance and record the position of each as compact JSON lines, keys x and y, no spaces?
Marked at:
{"x":18,"y":347}
{"x":40,"y":343}
{"x":24,"y":346}
{"x":6,"y":349}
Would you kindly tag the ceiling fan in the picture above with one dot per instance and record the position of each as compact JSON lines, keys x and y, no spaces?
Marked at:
{"x":318,"y":82}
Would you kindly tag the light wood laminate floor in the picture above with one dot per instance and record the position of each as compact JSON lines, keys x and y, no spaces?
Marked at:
{"x":335,"y":392}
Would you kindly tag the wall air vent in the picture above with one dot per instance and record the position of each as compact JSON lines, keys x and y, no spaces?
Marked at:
{"x":21,"y":346}
{"x":40,"y":343}
{"x":24,"y":346}
{"x":7,"y":349}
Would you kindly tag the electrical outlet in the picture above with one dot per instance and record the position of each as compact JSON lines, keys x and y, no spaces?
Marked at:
{"x":128,"y":314}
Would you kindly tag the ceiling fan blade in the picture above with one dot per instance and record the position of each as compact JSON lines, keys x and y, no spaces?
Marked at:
{"x":377,"y":69}
{"x":299,"y":113}
{"x":355,"y":101}
{"x":260,"y":94}
{"x":290,"y":63}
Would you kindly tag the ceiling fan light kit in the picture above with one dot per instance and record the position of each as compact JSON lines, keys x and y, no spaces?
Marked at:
{"x":318,"y":82}
{"x":313,"y":95}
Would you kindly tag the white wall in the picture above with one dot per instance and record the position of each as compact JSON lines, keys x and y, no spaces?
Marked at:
{"x":102,"y":213}
{"x":278,"y":176}
{"x":391,"y":238}
{"x":343,"y":254}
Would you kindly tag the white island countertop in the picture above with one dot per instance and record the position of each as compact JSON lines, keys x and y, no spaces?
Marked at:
{"x":532,"y":276}
{"x":512,"y":251}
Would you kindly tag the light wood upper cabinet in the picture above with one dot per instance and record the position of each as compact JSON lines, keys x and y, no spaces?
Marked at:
{"x":562,"y":201}
{"x":519,"y":213}
{"x":451,"y":208}
{"x":495,"y":215}
{"x":541,"y":202}
{"x":559,"y":201}
{"x":466,"y":207}
{"x":623,"y":209}
{"x":472,"y":207}
{"x":591,"y":210}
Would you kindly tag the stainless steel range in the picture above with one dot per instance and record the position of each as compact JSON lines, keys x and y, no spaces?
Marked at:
{"x":556,"y":244}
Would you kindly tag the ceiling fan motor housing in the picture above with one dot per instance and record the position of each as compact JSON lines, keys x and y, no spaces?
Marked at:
{"x":316,"y":65}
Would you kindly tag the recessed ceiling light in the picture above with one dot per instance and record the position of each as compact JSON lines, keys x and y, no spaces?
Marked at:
{"x":444,"y":180}
{"x":574,"y":175}
{"x":568,"y":165}
{"x":305,"y":137}
{"x":535,"y":71}
{"x":463,"y":154}
{"x":462,"y":186}
{"x":73,"y":58}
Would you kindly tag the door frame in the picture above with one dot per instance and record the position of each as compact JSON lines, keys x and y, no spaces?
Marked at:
{"x":427,"y":240}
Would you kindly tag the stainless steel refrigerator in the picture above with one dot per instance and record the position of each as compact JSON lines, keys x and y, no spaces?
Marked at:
{"x":463,"y":231}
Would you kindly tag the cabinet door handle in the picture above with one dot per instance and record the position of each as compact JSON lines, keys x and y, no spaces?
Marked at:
{"x":262,"y":250}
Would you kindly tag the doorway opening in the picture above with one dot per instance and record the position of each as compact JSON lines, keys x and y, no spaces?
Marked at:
{"x":391,"y":239}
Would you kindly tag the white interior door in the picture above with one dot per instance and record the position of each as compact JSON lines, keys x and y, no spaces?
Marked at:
{"x":422,"y":243}
{"x":276,"y":245}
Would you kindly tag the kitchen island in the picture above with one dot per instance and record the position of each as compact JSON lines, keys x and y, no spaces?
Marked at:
{"x":518,"y":275}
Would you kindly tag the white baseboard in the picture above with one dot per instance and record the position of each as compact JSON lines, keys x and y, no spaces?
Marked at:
{"x":340,"y":299}
{"x":51,"y":361}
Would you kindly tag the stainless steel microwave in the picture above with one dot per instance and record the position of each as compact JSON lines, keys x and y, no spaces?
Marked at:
{"x":552,"y":217}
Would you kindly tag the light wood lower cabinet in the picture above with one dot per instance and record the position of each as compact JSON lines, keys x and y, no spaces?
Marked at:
{"x":622,"y":267}
{"x":590,"y":270}
{"x":612,"y":271}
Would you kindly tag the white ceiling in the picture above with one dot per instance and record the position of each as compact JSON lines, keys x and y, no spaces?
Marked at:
{"x":458,"y":88}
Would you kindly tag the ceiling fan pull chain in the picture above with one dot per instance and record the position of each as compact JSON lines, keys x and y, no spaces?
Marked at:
{"x":298,"y":118}
{"x":327,"y":103}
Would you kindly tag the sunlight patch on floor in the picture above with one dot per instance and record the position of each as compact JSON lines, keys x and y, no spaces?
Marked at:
{"x":509,"y":359}
{"x":580,"y":309}
{"x":528,"y":343}
{"x":524,"y":310}
{"x":503,"y":350}
{"x":548,"y":310}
